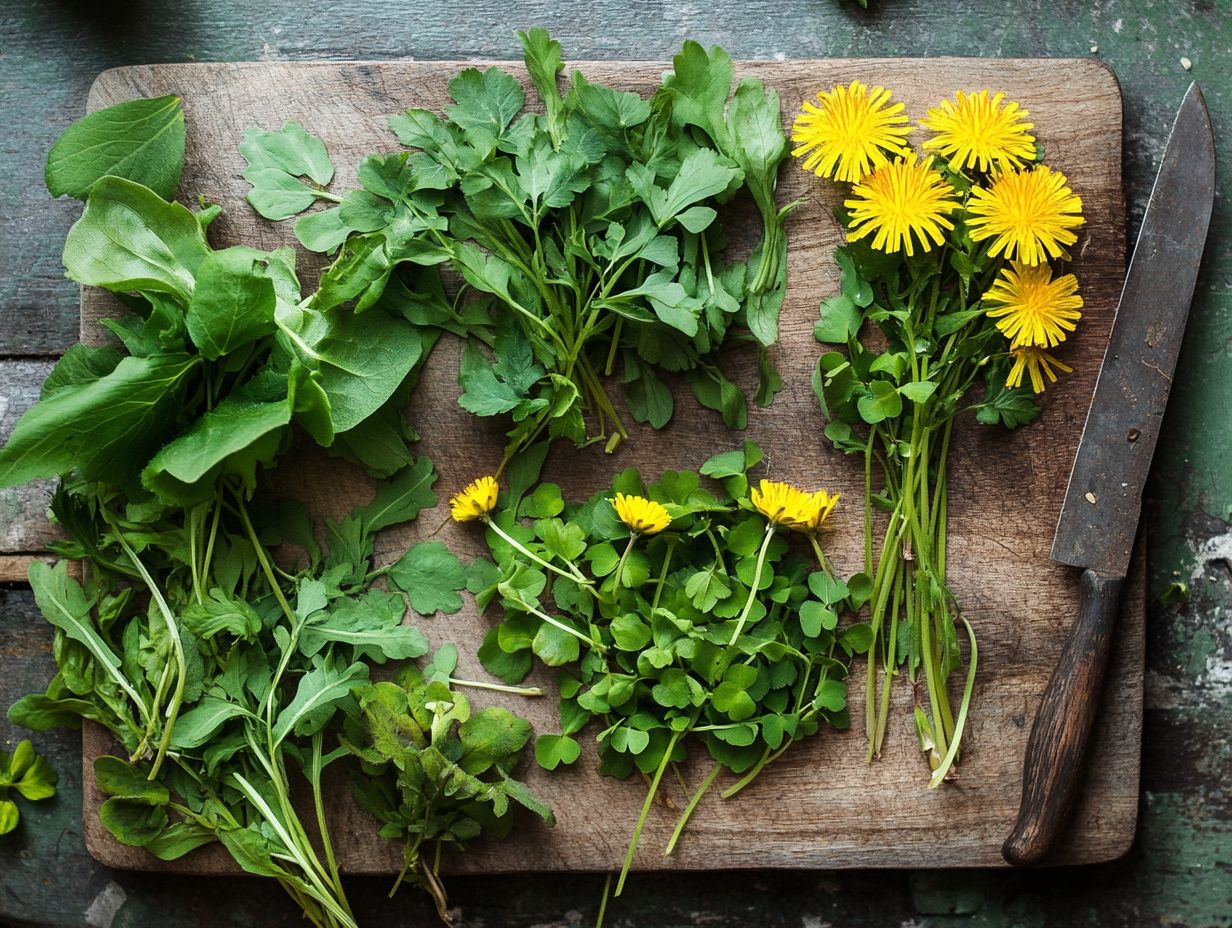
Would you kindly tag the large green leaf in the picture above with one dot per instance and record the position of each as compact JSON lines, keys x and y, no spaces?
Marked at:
{"x":431,"y":577}
{"x":108,"y":428}
{"x":233,"y":437}
{"x":233,"y":303}
{"x":358,"y":361}
{"x":129,"y":238}
{"x":372,"y":626}
{"x":141,"y":140}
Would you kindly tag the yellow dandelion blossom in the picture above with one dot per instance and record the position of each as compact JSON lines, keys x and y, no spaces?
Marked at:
{"x":977,"y":131}
{"x":899,"y":203}
{"x":1030,"y":215}
{"x":1034,"y":309}
{"x":817,"y":509}
{"x":644,"y":516}
{"x":1037,"y":364}
{"x":476,"y":501}
{"x":854,"y":130}
{"x":781,"y":503}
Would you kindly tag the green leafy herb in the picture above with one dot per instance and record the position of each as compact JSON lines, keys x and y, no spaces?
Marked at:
{"x":219,"y":671}
{"x":586,"y":236}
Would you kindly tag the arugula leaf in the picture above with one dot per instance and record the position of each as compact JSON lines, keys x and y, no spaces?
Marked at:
{"x":372,"y":626}
{"x":402,"y":497}
{"x":317,"y":698}
{"x":139,"y":140}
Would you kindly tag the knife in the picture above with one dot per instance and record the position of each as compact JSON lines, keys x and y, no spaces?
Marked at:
{"x":1103,"y":502}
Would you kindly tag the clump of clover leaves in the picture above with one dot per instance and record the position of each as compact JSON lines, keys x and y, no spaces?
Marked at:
{"x":436,"y":773}
{"x":218,"y":672}
{"x":27,"y":773}
{"x":584,"y":235}
{"x":644,"y":646}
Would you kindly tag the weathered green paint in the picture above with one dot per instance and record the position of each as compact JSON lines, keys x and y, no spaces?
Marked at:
{"x":1180,"y":871}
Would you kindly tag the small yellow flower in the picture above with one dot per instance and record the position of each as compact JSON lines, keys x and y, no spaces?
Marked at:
{"x":1034,"y":309}
{"x":1038,"y":364}
{"x":1030,"y":215}
{"x":851,"y":133}
{"x":641,"y":515}
{"x":974,"y":131}
{"x":817,"y":509}
{"x":476,"y":501}
{"x":899,"y":203}
{"x":782,"y":503}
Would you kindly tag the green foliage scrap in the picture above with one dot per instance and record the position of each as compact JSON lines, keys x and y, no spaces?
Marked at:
{"x":585,"y":235}
{"x":29,"y":775}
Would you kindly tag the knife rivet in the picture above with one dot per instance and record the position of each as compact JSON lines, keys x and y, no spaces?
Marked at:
{"x":1091,"y":498}
{"x":1132,"y":435}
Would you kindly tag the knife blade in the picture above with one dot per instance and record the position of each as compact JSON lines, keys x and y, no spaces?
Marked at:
{"x":1103,"y":501}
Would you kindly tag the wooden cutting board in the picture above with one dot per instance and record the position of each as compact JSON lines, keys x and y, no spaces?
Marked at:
{"x":820,"y":806}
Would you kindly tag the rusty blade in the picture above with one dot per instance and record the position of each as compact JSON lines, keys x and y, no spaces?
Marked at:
{"x":1104,"y":499}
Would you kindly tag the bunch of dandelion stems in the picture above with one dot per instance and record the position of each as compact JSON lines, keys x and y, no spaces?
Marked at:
{"x":909,"y":583}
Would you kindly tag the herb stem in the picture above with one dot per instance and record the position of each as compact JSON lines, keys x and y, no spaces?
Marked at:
{"x":641,"y":819}
{"x":572,"y":574}
{"x":688,"y":809}
{"x":756,"y":584}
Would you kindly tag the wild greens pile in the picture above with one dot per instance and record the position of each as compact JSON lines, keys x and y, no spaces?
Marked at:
{"x":220,"y":674}
{"x":587,"y":237}
{"x":706,"y":627}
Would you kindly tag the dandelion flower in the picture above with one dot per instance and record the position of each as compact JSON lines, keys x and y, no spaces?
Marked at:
{"x":1030,"y":215}
{"x":782,"y":503}
{"x":899,"y":203}
{"x":476,"y":501}
{"x":976,"y":131}
{"x":1037,"y":364}
{"x":644,"y":516}
{"x":817,"y":509}
{"x":1034,"y":309}
{"x":852,"y":132}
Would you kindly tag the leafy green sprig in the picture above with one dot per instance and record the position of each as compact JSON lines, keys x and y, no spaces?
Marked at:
{"x":585,"y":235}
{"x":714,"y":630}
{"x":435,"y":773}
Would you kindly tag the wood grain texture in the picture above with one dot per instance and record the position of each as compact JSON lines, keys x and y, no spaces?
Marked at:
{"x":1057,"y":748}
{"x":819,"y":806}
{"x":24,"y":529}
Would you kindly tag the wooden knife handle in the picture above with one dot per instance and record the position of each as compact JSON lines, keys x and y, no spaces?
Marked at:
{"x":1058,"y":743}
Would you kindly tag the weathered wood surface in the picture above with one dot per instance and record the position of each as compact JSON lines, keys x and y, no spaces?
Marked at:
{"x":24,"y":529}
{"x":819,"y":806}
